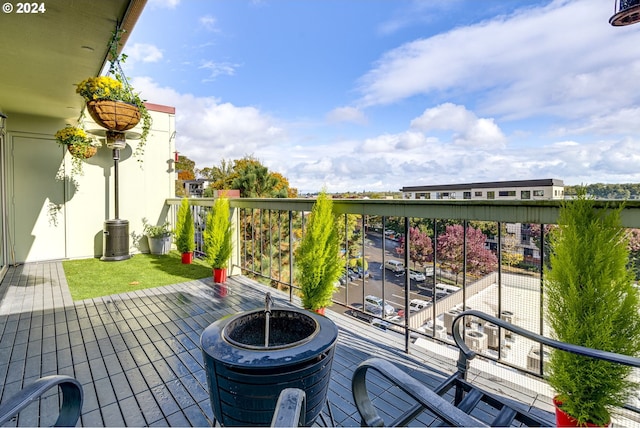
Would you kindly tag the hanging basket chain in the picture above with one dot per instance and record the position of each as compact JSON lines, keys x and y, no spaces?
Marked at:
{"x":115,"y":60}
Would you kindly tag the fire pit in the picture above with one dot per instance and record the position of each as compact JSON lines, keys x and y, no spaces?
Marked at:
{"x":251,"y":357}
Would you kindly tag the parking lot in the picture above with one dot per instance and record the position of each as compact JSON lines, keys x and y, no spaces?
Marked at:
{"x":385,"y":283}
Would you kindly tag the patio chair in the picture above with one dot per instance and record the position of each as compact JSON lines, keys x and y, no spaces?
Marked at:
{"x":290,"y":408}
{"x":462,"y":408}
{"x":72,"y":395}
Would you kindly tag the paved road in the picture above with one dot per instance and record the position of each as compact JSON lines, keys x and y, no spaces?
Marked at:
{"x":393,"y":294}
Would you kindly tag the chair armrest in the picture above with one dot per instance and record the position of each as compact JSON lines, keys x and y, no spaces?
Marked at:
{"x":70,"y":409}
{"x":290,"y":408}
{"x":427,"y":398}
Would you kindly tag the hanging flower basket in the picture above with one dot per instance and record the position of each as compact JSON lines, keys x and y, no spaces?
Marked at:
{"x":79,"y":145}
{"x":114,"y":115}
{"x":82,"y":151}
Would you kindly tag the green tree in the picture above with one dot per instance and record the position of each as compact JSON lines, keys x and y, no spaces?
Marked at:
{"x":221,"y":176}
{"x":254,"y":180}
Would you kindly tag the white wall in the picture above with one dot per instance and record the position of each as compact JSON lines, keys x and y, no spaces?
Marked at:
{"x":51,"y":218}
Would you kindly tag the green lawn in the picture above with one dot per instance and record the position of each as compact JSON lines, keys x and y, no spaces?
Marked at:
{"x":89,"y":278}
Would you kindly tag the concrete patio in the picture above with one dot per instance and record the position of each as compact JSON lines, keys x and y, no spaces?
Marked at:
{"x":138,"y":358}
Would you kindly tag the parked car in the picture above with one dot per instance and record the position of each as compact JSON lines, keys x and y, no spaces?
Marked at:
{"x":382,"y":325}
{"x":362,"y":273}
{"x":417,"y":305}
{"x":394,"y":265}
{"x":365,"y":312}
{"x":354,"y":273}
{"x":375,"y":301}
{"x":417,"y":276}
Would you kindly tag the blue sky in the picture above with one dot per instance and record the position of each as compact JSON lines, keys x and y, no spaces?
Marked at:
{"x":374,"y":95}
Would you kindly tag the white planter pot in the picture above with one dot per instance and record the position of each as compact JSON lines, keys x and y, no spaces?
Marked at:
{"x":160,"y":245}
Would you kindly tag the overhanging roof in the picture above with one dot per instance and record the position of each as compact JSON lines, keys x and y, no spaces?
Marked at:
{"x":45,"y":54}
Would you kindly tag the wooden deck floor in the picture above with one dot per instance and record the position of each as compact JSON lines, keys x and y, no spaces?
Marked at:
{"x":138,"y":356}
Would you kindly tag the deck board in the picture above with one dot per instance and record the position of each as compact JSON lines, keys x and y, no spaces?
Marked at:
{"x":138,"y":357}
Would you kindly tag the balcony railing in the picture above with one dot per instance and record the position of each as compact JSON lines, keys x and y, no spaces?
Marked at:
{"x":483,"y":255}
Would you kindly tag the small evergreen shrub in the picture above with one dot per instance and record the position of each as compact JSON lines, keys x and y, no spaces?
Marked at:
{"x":591,"y":301}
{"x":185,"y":230}
{"x":317,"y":257}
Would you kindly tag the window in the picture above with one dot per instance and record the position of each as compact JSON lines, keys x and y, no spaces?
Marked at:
{"x":504,"y":193}
{"x":538,"y":193}
{"x":466,"y":195}
{"x":491,"y":195}
{"x":525,"y":194}
{"x":479,"y":194}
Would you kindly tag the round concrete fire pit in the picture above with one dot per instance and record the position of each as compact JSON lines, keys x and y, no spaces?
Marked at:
{"x":245,"y":375}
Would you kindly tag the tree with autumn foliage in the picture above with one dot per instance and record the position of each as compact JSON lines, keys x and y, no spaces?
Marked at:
{"x":420,"y":247}
{"x":250,"y":177}
{"x":450,"y":250}
{"x":186,"y":171}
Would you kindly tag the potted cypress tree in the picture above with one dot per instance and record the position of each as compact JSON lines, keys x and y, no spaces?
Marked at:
{"x":590,"y":301}
{"x":185,"y":232}
{"x":217,"y":239}
{"x":317,"y":257}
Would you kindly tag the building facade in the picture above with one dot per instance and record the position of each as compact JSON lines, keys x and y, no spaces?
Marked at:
{"x":500,"y":190}
{"x":47,"y":211}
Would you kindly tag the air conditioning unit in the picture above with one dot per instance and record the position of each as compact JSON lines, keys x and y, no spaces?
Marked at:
{"x":495,"y":335}
{"x":533,"y":359}
{"x":449,"y":316}
{"x":475,"y":340}
{"x":509,"y":317}
{"x":441,"y":332}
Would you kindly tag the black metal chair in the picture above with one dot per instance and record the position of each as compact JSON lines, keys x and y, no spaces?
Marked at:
{"x":459,"y":411}
{"x":72,"y":396}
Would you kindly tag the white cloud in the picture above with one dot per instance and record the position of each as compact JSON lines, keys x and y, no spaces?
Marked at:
{"x":561,"y":59}
{"x":168,"y":4}
{"x":469,"y":130}
{"x":209,"y":23}
{"x":347,"y":114}
{"x":218,"y":69}
{"x":143,"y":52}
{"x":208,"y":130}
{"x":416,"y":12}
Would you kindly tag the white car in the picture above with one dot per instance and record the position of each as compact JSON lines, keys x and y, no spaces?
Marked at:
{"x":376,"y":301}
{"x":417,"y":276}
{"x":417,"y":305}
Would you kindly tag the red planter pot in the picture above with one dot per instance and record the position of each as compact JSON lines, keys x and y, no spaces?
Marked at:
{"x":187,"y":258}
{"x":563,"y":419}
{"x":219,"y":275}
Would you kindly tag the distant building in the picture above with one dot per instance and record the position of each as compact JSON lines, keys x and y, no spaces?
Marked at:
{"x":195,"y":188}
{"x":551,"y":188}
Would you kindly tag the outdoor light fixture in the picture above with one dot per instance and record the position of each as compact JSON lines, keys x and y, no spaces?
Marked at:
{"x":3,"y":121}
{"x":626,"y":12}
